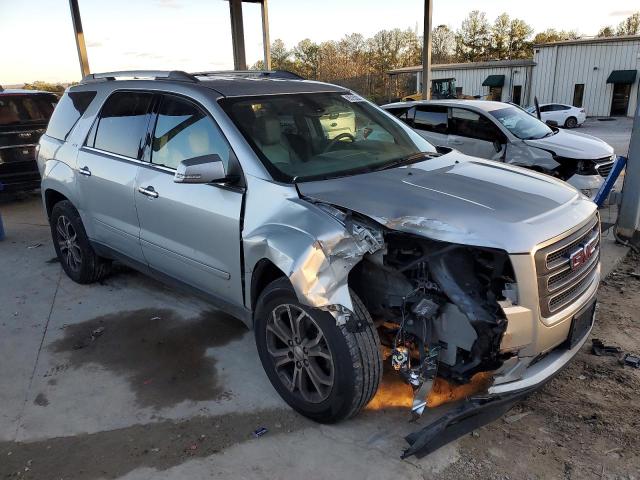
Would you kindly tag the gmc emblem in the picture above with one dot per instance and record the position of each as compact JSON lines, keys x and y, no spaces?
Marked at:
{"x":582,"y":254}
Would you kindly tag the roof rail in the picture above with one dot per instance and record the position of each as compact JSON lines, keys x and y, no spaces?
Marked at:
{"x":279,"y":74}
{"x":141,"y":74}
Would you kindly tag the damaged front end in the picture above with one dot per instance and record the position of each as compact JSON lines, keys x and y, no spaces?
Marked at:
{"x":437,"y":309}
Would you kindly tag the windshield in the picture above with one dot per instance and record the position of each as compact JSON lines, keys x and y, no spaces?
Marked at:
{"x":15,"y":109}
{"x":521,"y":124}
{"x":322,"y":135}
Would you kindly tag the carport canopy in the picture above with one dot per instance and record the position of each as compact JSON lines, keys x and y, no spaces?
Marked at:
{"x":493,"y":81}
{"x":625,"y":77}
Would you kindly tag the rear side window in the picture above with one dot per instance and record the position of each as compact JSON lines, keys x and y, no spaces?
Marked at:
{"x":184,"y":131}
{"x":431,"y":119}
{"x":466,"y":123}
{"x":122,"y":124}
{"x":69,"y":110}
{"x":26,"y":108}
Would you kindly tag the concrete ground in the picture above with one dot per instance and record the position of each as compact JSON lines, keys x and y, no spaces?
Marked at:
{"x":131,"y":379}
{"x":616,"y":131}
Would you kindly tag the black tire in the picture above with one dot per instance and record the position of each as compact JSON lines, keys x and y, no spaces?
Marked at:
{"x":78,"y":259}
{"x":571,"y":122}
{"x":355,"y":357}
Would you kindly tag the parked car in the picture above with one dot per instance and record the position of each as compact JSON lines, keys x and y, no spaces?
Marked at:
{"x":327,"y":247}
{"x":503,"y":132}
{"x":24,"y":115}
{"x":563,"y":115}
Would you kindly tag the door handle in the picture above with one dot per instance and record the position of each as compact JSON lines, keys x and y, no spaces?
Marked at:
{"x":149,"y":191}
{"x":85,"y":171}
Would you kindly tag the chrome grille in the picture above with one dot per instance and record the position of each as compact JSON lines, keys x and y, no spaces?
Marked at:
{"x":604,"y":169}
{"x":559,"y":284}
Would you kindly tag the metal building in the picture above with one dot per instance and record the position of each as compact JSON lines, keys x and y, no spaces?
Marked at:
{"x":598,"y":74}
{"x":503,"y":80}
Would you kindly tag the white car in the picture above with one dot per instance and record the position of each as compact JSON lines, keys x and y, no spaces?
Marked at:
{"x":503,"y":132}
{"x":564,"y":115}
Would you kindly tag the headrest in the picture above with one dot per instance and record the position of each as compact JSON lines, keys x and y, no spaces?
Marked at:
{"x":268,"y":130}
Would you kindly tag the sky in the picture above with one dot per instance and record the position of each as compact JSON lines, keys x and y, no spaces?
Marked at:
{"x":37,"y":42}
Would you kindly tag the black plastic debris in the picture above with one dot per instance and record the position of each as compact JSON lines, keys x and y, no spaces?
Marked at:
{"x":601,"y":350}
{"x":259,"y":432}
{"x":630,"y":360}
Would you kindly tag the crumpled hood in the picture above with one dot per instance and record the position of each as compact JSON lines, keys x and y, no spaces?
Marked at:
{"x":574,"y":145}
{"x":461,"y":199}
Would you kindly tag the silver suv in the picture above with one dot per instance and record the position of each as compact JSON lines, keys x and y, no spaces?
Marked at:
{"x":338,"y":248}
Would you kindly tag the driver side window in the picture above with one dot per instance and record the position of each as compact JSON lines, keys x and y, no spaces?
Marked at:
{"x":184,"y":131}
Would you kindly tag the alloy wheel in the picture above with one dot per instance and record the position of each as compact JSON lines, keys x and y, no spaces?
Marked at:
{"x":68,"y":243}
{"x":300,"y":353}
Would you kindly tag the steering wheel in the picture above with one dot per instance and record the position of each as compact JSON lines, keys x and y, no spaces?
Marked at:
{"x":337,"y":138}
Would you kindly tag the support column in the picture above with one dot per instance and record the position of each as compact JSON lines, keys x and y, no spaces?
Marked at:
{"x":629,"y":216}
{"x":79,"y":36}
{"x":426,"y":51}
{"x":266,"y":41}
{"x":237,"y":35}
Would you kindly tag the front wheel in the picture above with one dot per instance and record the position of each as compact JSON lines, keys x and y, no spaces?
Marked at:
{"x":322,"y":370}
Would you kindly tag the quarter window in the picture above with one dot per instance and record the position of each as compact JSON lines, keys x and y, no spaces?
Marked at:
{"x":184,"y":131}
{"x":122,"y":124}
{"x":431,"y":119}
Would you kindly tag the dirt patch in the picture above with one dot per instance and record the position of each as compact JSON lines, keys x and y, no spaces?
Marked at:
{"x":159,"y":445}
{"x":585,"y":424}
{"x":41,"y":400}
{"x":162,"y":355}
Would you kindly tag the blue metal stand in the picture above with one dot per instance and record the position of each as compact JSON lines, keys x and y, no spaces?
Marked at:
{"x":608,"y":184}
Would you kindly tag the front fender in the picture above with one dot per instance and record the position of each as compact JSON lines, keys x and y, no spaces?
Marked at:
{"x":315,"y":250}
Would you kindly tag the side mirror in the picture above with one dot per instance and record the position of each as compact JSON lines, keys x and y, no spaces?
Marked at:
{"x":551,"y":123}
{"x":497,"y":146}
{"x":204,"y":169}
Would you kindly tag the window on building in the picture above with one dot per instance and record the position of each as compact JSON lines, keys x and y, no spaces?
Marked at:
{"x":495,"y":93}
{"x":123,"y":123}
{"x":517,"y":94}
{"x":458,"y":92}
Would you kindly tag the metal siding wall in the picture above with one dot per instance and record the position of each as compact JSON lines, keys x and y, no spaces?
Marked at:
{"x":576,"y":65}
{"x":470,"y":79}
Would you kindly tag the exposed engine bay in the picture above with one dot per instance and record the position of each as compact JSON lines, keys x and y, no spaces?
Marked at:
{"x":436,"y":308}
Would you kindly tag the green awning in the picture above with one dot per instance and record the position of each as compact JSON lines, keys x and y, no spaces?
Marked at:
{"x":493,"y":81}
{"x":626,"y":77}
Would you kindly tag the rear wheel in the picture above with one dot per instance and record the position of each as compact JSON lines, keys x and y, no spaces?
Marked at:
{"x":320,"y":369}
{"x":78,"y":259}
{"x":571,"y":122}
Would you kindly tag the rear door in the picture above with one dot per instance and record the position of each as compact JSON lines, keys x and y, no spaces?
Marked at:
{"x":107,"y":166}
{"x":474,"y":134}
{"x":430,"y":121}
{"x":190,"y":232}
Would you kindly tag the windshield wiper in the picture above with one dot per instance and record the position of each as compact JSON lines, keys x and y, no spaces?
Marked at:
{"x":402,"y":160}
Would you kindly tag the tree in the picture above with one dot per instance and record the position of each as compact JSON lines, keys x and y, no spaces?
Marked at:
{"x":443,"y":44}
{"x":553,"y":35}
{"x":630,"y":25}
{"x":44,"y":86}
{"x":306,"y":59}
{"x":607,"y":31}
{"x":500,"y":31}
{"x":473,"y":39}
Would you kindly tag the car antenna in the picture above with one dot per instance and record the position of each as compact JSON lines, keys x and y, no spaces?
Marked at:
{"x":295,"y":184}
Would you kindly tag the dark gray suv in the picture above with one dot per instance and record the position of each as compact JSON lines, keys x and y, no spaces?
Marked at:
{"x":332,"y":229}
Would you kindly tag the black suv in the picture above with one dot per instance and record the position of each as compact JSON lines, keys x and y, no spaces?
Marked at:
{"x":24,"y":115}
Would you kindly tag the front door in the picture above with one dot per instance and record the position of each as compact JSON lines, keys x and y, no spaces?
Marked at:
{"x":190,"y":232}
{"x":620,"y":100}
{"x":517,"y":94}
{"x":107,"y":166}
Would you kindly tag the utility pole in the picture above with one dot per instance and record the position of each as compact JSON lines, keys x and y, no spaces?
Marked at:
{"x":629,"y":216}
{"x":426,"y":51}
{"x":79,"y":35}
